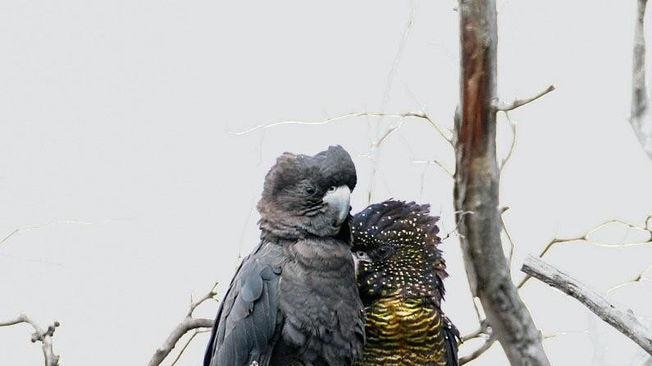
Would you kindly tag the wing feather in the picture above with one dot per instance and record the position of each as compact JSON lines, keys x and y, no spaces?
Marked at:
{"x":247,"y":320}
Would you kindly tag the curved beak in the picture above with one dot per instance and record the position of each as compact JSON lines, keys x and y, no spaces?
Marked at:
{"x":340,"y":200}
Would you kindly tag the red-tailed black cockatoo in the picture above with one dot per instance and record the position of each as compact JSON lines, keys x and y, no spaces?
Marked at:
{"x":294,"y":301}
{"x":401,"y":286}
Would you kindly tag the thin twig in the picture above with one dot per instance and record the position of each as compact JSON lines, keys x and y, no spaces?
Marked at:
{"x":478,"y":352}
{"x":420,"y":115}
{"x":9,"y":236}
{"x":512,"y":244}
{"x":618,"y":317}
{"x":440,"y":130}
{"x":185,"y":345}
{"x":210,"y":295}
{"x":39,"y":335}
{"x":638,"y":278}
{"x":457,"y":224}
{"x":512,"y":146}
{"x":479,"y":311}
{"x":52,"y":223}
{"x":305,"y":123}
{"x":506,"y":107}
{"x":245,"y":227}
{"x":391,"y":75}
{"x":387,"y":133}
{"x":438,"y":163}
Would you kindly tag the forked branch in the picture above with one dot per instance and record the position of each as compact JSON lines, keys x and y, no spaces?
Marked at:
{"x":188,"y":324}
{"x":39,"y":335}
{"x":587,"y":237}
{"x":478,"y":352}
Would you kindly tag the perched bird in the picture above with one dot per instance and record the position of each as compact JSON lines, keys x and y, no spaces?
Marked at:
{"x":294,"y":300}
{"x":402,"y":287}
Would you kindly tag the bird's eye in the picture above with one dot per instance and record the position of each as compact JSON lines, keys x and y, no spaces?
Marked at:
{"x":384,"y":252}
{"x":360,"y":254}
{"x":332,"y":189}
{"x":310,"y":190}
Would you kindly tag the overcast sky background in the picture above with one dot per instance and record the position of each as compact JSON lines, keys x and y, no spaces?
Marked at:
{"x":120,"y":164}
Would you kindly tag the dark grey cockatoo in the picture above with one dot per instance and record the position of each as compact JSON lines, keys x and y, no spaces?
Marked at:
{"x":294,"y":299}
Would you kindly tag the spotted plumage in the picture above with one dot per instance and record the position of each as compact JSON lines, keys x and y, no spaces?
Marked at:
{"x":401,"y":287}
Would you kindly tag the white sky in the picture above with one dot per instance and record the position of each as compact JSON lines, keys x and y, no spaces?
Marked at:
{"x":118,"y":159}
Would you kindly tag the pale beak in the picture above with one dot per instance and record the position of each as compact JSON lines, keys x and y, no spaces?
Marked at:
{"x":339,"y":199}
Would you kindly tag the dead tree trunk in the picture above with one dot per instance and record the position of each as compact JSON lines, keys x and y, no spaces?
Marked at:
{"x":476,"y":189}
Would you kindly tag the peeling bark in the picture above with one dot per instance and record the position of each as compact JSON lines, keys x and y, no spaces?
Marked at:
{"x":476,"y":189}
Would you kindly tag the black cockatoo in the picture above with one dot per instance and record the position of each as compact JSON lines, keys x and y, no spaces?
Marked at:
{"x":401,"y":286}
{"x":294,"y":300}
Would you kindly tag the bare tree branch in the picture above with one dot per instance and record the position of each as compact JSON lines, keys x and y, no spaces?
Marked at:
{"x":586,"y":238}
{"x":188,"y":324}
{"x":39,"y":335}
{"x":512,"y":146}
{"x":179,"y":331}
{"x":620,"y":318}
{"x":483,"y":331}
{"x":421,"y":115}
{"x":506,"y":107}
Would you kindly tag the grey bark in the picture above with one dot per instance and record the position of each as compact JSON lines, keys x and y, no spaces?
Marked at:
{"x":618,"y":317}
{"x":640,"y":117}
{"x":476,"y":189}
